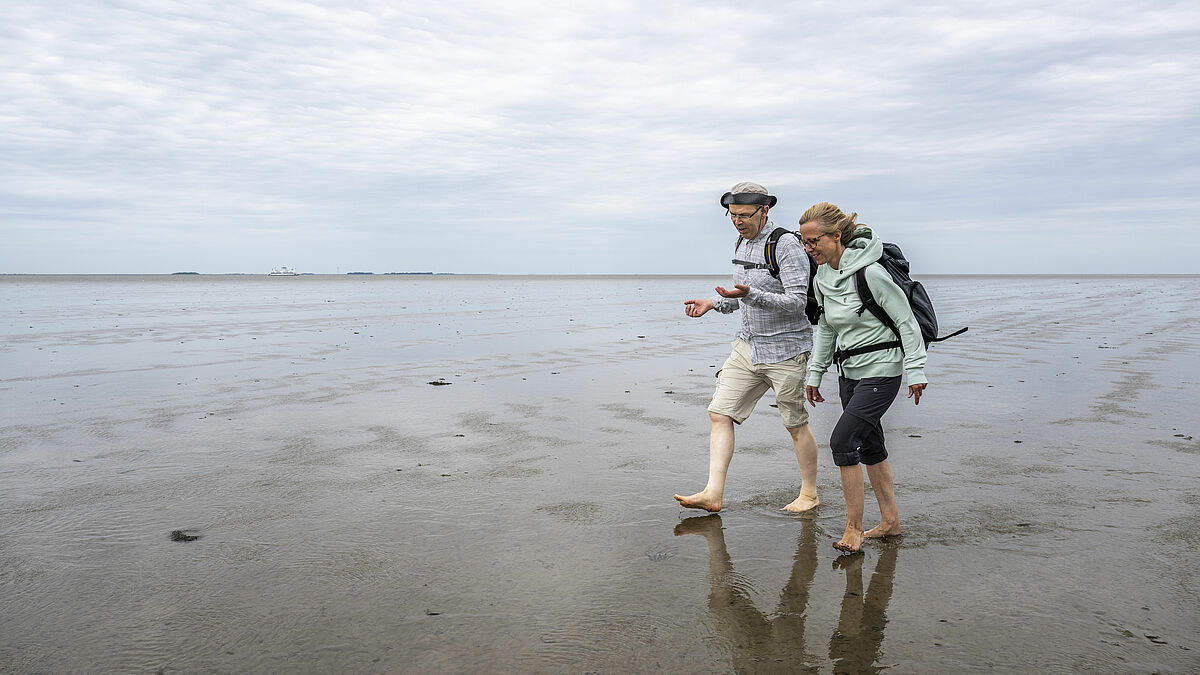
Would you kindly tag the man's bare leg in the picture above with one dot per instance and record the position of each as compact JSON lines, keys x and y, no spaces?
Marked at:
{"x":885,"y":493}
{"x":806,"y":456}
{"x":852,"y":488}
{"x":720,"y":452}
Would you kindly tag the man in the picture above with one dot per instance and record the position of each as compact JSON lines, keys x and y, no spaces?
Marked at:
{"x":771,"y":349}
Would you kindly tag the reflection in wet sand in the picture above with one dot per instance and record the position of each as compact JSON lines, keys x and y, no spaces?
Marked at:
{"x":854,"y":646}
{"x":762,"y":644}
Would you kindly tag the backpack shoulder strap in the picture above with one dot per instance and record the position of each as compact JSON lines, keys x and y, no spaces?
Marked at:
{"x":868,"y":300}
{"x":769,"y":251}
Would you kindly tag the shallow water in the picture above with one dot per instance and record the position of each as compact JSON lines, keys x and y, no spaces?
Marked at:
{"x":353,"y":517}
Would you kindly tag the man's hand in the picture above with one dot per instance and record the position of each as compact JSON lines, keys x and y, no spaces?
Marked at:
{"x":739,"y":291}
{"x":697,"y":306}
{"x":914,"y":392}
{"x":813,"y":395}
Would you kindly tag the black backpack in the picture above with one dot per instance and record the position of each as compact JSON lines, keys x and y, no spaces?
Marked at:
{"x":894,"y":262}
{"x":812,"y":309}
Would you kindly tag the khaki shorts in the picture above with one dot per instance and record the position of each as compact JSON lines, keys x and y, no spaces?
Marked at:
{"x":740,"y":383}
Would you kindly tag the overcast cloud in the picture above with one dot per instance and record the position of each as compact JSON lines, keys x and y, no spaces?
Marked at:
{"x":531,"y":137}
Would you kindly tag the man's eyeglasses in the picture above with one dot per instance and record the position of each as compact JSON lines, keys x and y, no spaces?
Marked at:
{"x":812,"y":243}
{"x":743,"y":216}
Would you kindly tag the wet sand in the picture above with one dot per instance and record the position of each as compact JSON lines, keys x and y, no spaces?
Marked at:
{"x":235,"y":474}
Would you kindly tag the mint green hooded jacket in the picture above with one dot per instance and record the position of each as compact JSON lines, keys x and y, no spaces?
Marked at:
{"x":842,"y":327}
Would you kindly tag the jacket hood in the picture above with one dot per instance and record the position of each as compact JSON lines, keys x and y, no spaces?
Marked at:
{"x":864,"y":248}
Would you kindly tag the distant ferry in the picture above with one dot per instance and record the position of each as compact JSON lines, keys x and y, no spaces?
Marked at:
{"x":283,"y":272}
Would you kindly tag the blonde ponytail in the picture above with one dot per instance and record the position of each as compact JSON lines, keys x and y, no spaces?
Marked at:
{"x":829,"y":218}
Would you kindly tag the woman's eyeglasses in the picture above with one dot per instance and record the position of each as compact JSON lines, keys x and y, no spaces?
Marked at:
{"x":812,"y":243}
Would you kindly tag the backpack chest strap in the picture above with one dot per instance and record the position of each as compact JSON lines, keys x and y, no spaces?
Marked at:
{"x":751,"y":265}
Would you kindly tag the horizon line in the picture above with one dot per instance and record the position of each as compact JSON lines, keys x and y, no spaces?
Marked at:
{"x":560,"y":274}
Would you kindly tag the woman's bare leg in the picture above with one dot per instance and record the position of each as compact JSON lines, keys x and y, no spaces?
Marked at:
{"x":852,"y":489}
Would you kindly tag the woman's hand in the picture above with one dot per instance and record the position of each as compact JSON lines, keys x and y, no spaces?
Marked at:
{"x":914,"y":392}
{"x":813,"y":395}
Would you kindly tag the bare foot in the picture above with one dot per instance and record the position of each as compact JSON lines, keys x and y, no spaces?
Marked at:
{"x":802,"y":503}
{"x":700,"y":500}
{"x":851,"y":541}
{"x":883,"y":530}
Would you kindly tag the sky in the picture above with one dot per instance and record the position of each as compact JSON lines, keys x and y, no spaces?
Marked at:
{"x":518,"y":137}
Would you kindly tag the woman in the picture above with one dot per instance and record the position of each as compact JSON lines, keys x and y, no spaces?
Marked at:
{"x":869,"y":380}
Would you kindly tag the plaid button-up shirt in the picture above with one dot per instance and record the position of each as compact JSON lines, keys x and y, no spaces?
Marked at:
{"x":773,"y":319}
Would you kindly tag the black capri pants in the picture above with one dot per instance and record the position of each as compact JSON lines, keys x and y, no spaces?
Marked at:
{"x":858,"y":434}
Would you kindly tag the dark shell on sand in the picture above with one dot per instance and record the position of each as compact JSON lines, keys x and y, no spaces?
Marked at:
{"x":180,"y":535}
